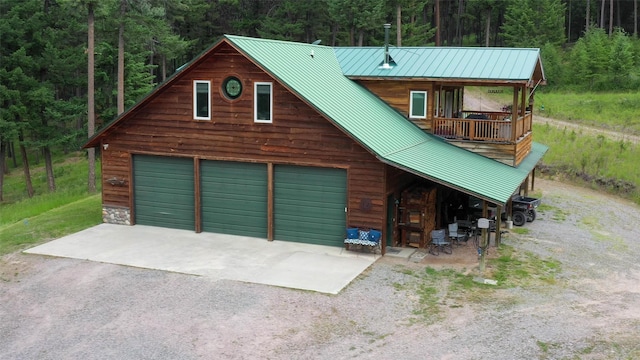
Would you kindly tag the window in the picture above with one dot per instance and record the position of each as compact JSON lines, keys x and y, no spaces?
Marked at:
{"x":262,"y":103}
{"x":418,"y":105}
{"x":232,"y":88}
{"x":201,"y":100}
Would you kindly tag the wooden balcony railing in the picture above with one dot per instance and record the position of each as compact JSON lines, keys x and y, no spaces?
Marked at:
{"x":483,"y":126}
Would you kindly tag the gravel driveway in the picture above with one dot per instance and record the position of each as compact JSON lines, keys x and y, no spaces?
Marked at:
{"x":55,"y":308}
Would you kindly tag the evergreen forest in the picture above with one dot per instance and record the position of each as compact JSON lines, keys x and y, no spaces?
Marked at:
{"x":67,"y":67}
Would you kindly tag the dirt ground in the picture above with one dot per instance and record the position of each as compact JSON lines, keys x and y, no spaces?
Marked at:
{"x":55,"y":308}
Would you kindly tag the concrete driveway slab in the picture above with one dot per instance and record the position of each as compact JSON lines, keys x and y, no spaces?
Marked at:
{"x":318,"y":268}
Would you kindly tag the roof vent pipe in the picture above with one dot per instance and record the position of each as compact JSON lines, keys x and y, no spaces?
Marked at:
{"x":386,"y":46}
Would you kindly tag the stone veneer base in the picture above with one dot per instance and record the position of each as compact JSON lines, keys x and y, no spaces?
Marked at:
{"x":116,"y":215}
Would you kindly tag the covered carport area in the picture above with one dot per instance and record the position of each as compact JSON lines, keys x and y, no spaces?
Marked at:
{"x":460,"y":171}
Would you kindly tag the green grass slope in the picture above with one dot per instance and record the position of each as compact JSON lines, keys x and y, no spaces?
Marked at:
{"x":47,"y":215}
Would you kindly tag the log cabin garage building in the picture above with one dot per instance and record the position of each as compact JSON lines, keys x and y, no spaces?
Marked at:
{"x":296,"y":142}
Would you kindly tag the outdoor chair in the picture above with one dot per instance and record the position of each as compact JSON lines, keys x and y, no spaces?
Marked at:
{"x":439,"y":242}
{"x":457,"y":236}
{"x":371,"y":238}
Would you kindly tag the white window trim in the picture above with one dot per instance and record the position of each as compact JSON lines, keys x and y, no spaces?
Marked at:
{"x":255,"y":102}
{"x":195,"y":99}
{"x":411,"y":105}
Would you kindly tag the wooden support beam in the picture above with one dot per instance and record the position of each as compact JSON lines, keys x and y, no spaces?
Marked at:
{"x":132,"y":210}
{"x":523,"y":93}
{"x":533,"y":178}
{"x":196,"y":200}
{"x":514,"y":113}
{"x":498,"y":225}
{"x":483,"y":238}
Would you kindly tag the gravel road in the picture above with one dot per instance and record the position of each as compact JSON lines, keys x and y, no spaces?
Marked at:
{"x":54,"y":308}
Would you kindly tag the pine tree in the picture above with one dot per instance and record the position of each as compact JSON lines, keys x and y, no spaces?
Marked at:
{"x":530,"y":23}
{"x":621,"y":59}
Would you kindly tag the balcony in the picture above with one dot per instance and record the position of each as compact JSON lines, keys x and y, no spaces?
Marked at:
{"x":483,"y":126}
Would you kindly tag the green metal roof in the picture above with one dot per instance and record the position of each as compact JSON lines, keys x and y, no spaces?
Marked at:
{"x":315,"y":75}
{"x":510,"y":64}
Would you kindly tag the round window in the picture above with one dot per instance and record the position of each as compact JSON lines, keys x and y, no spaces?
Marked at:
{"x":232,"y":87}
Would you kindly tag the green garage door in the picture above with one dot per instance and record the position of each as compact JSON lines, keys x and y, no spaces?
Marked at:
{"x":163,"y":191}
{"x":309,"y":204}
{"x":234,"y":198}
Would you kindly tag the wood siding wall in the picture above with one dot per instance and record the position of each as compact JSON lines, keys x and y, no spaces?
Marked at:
{"x":523,"y":148}
{"x":298,"y":135}
{"x":510,"y":154}
{"x":398,"y":93}
{"x":500,"y":152}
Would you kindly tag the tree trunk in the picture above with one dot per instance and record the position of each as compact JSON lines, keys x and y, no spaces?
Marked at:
{"x":437,"y":16}
{"x":120,"y":100}
{"x":398,"y":25}
{"x":361,"y":38}
{"x":91,"y":97}
{"x":164,"y":68}
{"x":3,"y":168}
{"x":25,"y":166}
{"x":496,"y":32}
{"x":588,"y":16}
{"x":12,"y":148}
{"x":460,"y":23}
{"x":152,"y":68}
{"x":569,"y":24}
{"x":487,"y":29}
{"x":449,"y":24}
{"x":7,"y":153}
{"x":602,"y":14}
{"x":352,"y":36}
{"x":48,"y":165}
{"x":610,"y":17}
{"x":635,"y":18}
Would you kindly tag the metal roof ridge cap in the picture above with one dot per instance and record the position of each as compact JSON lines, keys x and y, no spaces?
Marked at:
{"x":232,"y":38}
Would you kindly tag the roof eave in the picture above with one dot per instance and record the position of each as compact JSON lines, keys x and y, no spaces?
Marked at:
{"x":506,"y":82}
{"x":439,"y":181}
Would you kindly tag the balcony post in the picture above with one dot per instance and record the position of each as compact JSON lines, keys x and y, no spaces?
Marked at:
{"x":514,"y":114}
{"x":522,"y":101}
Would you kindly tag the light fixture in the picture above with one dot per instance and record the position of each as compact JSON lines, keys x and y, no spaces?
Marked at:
{"x":105,"y":146}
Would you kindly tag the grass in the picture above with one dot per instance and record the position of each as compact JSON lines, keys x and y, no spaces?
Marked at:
{"x":595,"y":227}
{"x":614,"y":111}
{"x":515,"y":268}
{"x":47,"y":215}
{"x":433,"y":290}
{"x":595,"y":160}
{"x":51,"y":224}
{"x":520,"y":230}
